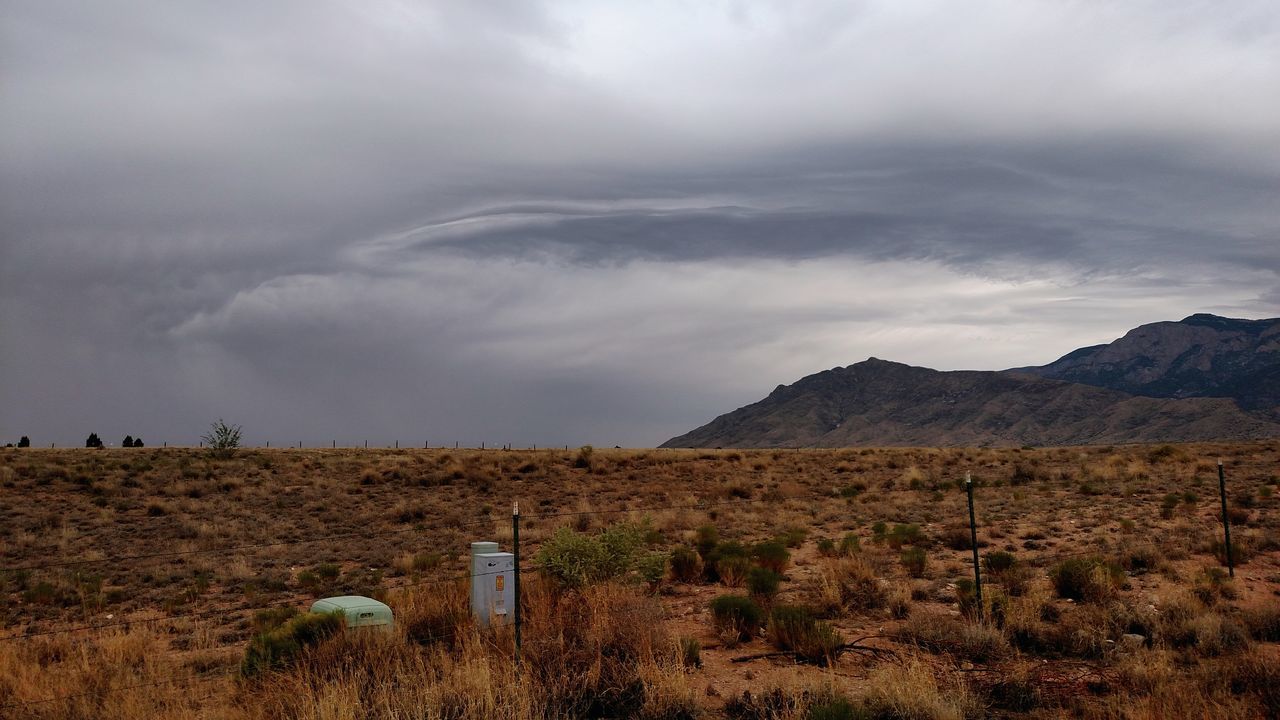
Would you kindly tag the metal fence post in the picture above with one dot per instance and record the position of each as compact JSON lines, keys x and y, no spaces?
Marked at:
{"x":973,"y":542}
{"x":515,"y":549}
{"x":1226,"y":524}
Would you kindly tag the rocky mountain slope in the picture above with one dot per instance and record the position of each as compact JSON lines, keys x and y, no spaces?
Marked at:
{"x":1200,"y":356}
{"x":1204,"y":378}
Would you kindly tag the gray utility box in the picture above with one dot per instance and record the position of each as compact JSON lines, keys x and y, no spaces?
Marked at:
{"x":357,"y":611}
{"x":493,"y":595}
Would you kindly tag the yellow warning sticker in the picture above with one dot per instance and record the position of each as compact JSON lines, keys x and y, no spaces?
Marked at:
{"x":497,"y":581}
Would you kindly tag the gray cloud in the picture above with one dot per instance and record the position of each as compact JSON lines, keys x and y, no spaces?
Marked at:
{"x":565,"y":223}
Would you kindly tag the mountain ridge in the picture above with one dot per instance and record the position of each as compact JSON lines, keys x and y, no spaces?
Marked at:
{"x":880,"y":402}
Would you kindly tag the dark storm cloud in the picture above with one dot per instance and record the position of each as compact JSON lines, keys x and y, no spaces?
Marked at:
{"x":568,"y":222}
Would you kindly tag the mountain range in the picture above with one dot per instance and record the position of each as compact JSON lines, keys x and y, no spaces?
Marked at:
{"x":1202,"y":378}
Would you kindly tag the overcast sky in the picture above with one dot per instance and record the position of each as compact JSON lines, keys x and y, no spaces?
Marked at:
{"x":567,"y":223}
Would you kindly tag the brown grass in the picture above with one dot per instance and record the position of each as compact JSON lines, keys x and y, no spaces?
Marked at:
{"x":1208,"y":643}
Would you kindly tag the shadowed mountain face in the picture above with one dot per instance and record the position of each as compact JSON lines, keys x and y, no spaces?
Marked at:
{"x":884,"y":403}
{"x":1201,"y":356}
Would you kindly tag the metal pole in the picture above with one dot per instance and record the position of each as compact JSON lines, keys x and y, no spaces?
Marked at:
{"x":973,"y":542}
{"x":1226,"y":524}
{"x":515,"y":549}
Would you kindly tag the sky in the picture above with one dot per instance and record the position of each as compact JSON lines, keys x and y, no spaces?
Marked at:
{"x":561,"y":223}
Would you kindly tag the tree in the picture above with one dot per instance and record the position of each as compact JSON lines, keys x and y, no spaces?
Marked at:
{"x":128,"y":441}
{"x":24,"y":442}
{"x":222,"y":439}
{"x":93,"y":441}
{"x":137,"y":442}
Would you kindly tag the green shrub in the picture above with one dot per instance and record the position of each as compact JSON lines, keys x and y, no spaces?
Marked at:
{"x":997,"y":562}
{"x":738,"y":614}
{"x":773,"y":555}
{"x":280,"y":646}
{"x":836,"y":708}
{"x":878,"y":530}
{"x":1087,"y":579}
{"x":733,"y":570}
{"x":827,"y":547}
{"x":849,"y":544}
{"x":763,"y":582}
{"x":576,"y":559}
{"x":904,"y":534}
{"x":690,"y":652}
{"x":707,"y":539}
{"x":914,"y":560}
{"x":650,"y":568}
{"x":328,"y":571}
{"x":795,"y":629}
{"x":853,"y":489}
{"x":272,"y":618}
{"x":686,"y":566}
{"x":793,"y":537}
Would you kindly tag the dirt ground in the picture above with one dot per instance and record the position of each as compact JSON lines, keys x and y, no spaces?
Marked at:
{"x":103,"y":543}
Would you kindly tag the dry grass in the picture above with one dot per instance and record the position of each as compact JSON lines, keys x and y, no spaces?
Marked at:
{"x":1208,"y":644}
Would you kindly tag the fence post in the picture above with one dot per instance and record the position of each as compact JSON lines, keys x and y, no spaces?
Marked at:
{"x":515,"y":550}
{"x":1226,"y":524}
{"x":973,"y":542}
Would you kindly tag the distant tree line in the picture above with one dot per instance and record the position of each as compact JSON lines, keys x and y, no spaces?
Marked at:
{"x":93,"y":441}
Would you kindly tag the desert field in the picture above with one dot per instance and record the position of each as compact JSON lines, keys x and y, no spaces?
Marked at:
{"x":166,"y":583}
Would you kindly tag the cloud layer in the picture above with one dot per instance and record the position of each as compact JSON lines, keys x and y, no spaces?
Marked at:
{"x":573,"y":222}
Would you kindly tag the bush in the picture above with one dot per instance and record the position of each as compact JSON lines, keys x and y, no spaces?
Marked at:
{"x":1087,"y":579}
{"x":773,"y":555}
{"x":686,"y":566}
{"x":1263,"y":623}
{"x":222,"y":439}
{"x":733,"y":570}
{"x":738,"y":614}
{"x":763,"y":582}
{"x":1240,"y":552}
{"x":849,"y":544}
{"x":707,"y":539}
{"x":908,"y":534}
{"x":586,"y":454}
{"x":915,"y":561}
{"x":957,"y":537}
{"x":93,"y":441}
{"x":24,"y":441}
{"x":835,"y":708}
{"x":793,"y":537}
{"x":847,"y":584}
{"x":280,"y":646}
{"x":575,"y":559}
{"x":795,"y":629}
{"x":690,"y":652}
{"x":998,"y":562}
{"x":827,"y":547}
{"x":967,"y":597}
{"x":974,"y":642}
